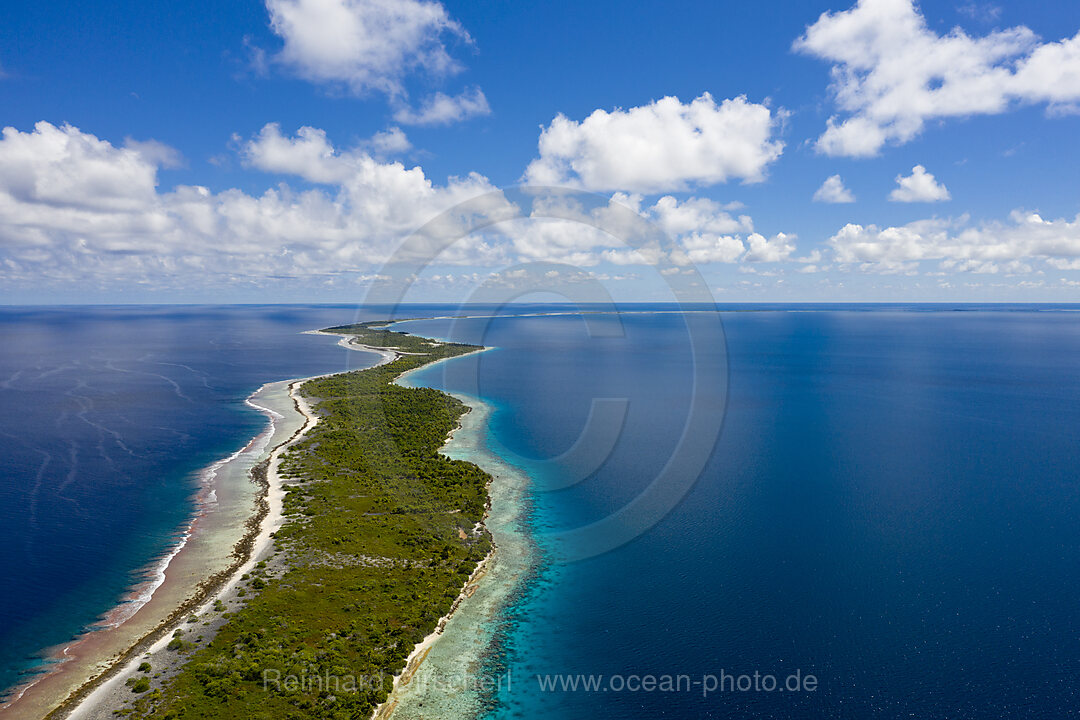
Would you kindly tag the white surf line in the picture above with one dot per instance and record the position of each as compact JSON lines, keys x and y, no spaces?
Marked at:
{"x":275,"y":496}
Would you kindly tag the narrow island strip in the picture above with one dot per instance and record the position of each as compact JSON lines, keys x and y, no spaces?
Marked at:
{"x":367,"y":541}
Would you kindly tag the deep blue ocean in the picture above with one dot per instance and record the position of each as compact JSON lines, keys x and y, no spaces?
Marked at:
{"x":106,"y":416}
{"x":891,"y":505}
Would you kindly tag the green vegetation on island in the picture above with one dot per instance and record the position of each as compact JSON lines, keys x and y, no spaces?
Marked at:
{"x":380,"y":534}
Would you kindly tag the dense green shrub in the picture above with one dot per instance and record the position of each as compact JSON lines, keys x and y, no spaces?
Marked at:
{"x":379,"y":539}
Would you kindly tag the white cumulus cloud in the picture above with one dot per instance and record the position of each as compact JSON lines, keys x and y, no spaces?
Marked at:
{"x":703,"y":231}
{"x":696,"y":230}
{"x":891,"y":73}
{"x":64,"y":168}
{"x":833,"y":191}
{"x":699,"y":215}
{"x":664,"y":146}
{"x":959,"y":246}
{"x":919,"y":186}
{"x":75,"y":208}
{"x":775,"y":249}
{"x":391,"y":141}
{"x":442,"y":109}
{"x":364,"y":44}
{"x":308,"y":155}
{"x":156,"y":152}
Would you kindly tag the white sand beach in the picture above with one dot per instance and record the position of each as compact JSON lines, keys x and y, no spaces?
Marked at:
{"x":221,"y":543}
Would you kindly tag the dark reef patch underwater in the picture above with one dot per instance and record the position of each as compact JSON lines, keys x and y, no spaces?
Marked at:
{"x":892,"y":506}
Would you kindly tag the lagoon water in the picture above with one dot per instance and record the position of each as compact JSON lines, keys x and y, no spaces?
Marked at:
{"x":892,"y":504}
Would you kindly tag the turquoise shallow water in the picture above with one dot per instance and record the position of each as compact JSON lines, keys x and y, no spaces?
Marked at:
{"x":107,"y":416}
{"x":456,"y":677}
{"x":892,"y":508}
{"x":891,"y":503}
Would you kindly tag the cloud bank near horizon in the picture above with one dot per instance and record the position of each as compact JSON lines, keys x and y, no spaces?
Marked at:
{"x":80,"y":210}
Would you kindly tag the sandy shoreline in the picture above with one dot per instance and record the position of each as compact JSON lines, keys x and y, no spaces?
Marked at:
{"x":442,"y":673}
{"x":112,"y":694}
{"x":420,"y":651}
{"x":102,"y":690}
{"x":207,"y":547}
{"x":212,"y":554}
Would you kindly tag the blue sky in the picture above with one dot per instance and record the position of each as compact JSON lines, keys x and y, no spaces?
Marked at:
{"x":143,"y":139}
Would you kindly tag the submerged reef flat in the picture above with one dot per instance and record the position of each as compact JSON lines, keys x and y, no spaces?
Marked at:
{"x":380,"y":537}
